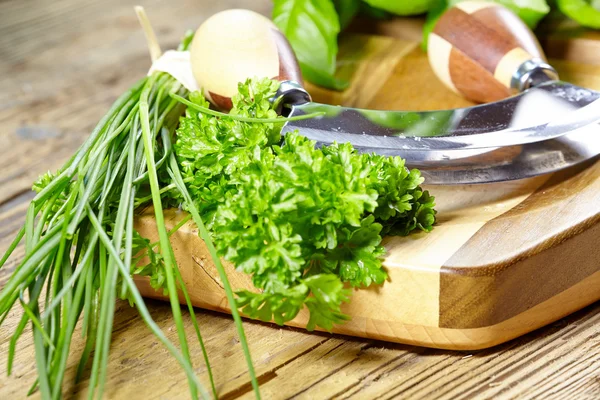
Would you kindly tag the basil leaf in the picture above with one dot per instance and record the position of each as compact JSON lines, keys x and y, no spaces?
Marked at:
{"x":346,"y":10}
{"x":530,"y":11}
{"x":436,"y":11}
{"x":312,"y":27}
{"x":402,"y":7}
{"x":586,"y":13}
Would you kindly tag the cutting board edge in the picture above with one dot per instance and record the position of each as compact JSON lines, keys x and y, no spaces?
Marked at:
{"x":394,"y":324}
{"x":476,"y":297}
{"x":545,"y":313}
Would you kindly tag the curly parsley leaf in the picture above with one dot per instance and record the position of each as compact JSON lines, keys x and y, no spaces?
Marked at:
{"x":210,"y":149}
{"x":153,"y":268}
{"x":306,"y":223}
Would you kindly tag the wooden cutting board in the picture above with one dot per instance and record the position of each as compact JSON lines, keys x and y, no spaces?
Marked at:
{"x":503,"y":260}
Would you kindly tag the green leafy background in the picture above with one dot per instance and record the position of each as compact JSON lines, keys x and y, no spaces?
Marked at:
{"x":313,"y":26}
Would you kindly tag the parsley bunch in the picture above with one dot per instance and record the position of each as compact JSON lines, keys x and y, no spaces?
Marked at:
{"x":306,"y":223}
{"x":210,"y":149}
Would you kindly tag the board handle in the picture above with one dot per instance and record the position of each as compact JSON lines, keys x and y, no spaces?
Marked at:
{"x":234,"y":45}
{"x":484,"y":52}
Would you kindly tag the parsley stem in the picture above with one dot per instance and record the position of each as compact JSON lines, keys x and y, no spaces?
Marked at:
{"x":214,"y":113}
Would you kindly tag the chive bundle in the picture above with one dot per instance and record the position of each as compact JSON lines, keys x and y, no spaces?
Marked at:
{"x":79,"y":242}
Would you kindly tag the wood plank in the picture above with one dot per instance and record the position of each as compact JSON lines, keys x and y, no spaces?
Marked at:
{"x":136,"y":355}
{"x":353,"y":369}
{"x":559,"y":361}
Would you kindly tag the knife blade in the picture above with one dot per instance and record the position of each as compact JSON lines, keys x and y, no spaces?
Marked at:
{"x":480,"y":144}
{"x":532,"y":123}
{"x":484,"y":52}
{"x":492,"y":125}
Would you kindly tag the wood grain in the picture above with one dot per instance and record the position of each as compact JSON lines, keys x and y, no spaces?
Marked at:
{"x":488,"y":44}
{"x":503,"y":22}
{"x":473,"y":80}
{"x":47,"y":107}
{"x":445,"y":308}
{"x":556,"y":225}
{"x":474,"y":38}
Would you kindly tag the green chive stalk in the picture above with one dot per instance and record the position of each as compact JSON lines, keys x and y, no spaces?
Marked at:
{"x":79,"y":243}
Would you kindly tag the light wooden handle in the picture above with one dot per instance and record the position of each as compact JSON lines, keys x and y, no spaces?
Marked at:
{"x":484,"y":52}
{"x":234,"y":45}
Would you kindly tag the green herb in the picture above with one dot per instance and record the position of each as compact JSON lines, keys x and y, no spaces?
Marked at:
{"x":81,"y":248}
{"x":302,"y":221}
{"x":306,"y":223}
{"x":305,"y":220}
{"x":312,"y":27}
{"x":347,"y":10}
{"x":407,"y":7}
{"x":585,"y":12}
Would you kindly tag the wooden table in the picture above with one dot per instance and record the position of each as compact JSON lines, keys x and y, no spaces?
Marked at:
{"x":62,"y":63}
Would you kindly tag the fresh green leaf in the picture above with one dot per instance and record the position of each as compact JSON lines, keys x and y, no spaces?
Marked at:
{"x":372,"y":12}
{"x":325,"y":304}
{"x":279,"y":307}
{"x":359,"y":258}
{"x":43,"y":182}
{"x":530,"y":11}
{"x":346,"y":10}
{"x":402,"y":7}
{"x":154,"y":268}
{"x":312,"y":27}
{"x":438,"y":8}
{"x":585,"y":12}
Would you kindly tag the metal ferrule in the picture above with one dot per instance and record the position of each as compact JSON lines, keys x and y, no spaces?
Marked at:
{"x":531,"y":73}
{"x":290,"y":93}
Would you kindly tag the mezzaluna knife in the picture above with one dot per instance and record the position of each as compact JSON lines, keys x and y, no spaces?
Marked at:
{"x":532,"y":124}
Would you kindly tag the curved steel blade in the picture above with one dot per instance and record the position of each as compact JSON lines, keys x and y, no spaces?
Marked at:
{"x":504,"y":163}
{"x":548,"y":111}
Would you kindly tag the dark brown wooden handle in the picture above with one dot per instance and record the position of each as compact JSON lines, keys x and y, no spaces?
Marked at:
{"x":477,"y":47}
{"x":234,"y":45}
